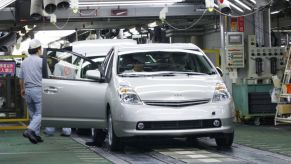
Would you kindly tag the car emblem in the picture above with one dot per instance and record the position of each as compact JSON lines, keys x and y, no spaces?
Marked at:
{"x":178,"y":95}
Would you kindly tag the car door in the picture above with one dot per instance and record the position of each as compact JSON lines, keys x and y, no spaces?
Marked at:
{"x":70,"y":101}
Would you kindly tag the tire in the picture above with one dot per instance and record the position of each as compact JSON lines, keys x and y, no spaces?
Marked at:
{"x":114,"y":142}
{"x":99,"y":137}
{"x":224,"y":140}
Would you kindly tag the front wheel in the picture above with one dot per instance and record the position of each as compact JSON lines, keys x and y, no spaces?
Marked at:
{"x":114,"y":142}
{"x":224,"y":140}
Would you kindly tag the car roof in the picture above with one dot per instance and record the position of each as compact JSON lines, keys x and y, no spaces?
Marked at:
{"x":158,"y":46}
{"x":98,"y":47}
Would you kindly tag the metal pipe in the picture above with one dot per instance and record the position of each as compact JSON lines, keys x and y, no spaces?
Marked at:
{"x":269,"y":42}
{"x":7,"y":42}
{"x":49,"y":6}
{"x":36,"y":9}
{"x":222,"y":43}
{"x":63,"y":4}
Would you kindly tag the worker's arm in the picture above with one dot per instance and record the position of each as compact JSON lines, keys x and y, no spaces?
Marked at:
{"x":22,"y":89}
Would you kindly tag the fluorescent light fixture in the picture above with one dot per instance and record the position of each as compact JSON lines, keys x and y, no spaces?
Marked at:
{"x":128,"y":3}
{"x":235,"y":6}
{"x":5,"y":3}
{"x":243,"y":5}
{"x":253,"y":1}
{"x":275,"y":12}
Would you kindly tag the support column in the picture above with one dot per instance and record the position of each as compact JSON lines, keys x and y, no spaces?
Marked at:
{"x":222,"y":42}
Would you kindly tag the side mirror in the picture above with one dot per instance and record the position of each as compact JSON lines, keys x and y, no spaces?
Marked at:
{"x":93,"y":74}
{"x":219,"y":71}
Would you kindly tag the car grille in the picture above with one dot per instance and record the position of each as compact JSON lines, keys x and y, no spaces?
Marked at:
{"x":175,"y":125}
{"x":177,"y":103}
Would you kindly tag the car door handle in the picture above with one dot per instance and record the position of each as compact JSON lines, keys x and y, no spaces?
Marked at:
{"x":50,"y":90}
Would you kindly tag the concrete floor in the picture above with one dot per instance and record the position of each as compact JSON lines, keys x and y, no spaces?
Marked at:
{"x":15,"y":149}
{"x":275,"y":139}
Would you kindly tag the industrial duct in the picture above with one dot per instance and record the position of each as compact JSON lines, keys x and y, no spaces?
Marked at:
{"x":7,"y":41}
{"x":36,"y":9}
{"x":63,"y":4}
{"x":49,"y":6}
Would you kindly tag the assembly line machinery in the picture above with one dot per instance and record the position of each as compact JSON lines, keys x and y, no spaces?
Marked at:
{"x":251,"y":72}
{"x":13,"y":111}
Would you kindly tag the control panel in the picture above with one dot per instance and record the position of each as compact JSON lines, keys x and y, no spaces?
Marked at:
{"x":235,"y":57}
{"x":235,"y":54}
{"x":264,"y":62}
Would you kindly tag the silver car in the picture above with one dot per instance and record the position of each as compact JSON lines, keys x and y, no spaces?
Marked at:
{"x":140,"y":90}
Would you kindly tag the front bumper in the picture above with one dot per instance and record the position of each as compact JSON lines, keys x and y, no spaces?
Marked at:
{"x":128,"y":129}
{"x":126,"y":117}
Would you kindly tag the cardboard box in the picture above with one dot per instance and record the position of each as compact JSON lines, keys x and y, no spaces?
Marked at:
{"x":284,"y":108}
{"x":276,"y":81}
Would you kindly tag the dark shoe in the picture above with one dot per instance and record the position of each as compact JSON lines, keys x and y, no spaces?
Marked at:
{"x":30,"y":135}
{"x":39,"y":139}
{"x":91,"y":143}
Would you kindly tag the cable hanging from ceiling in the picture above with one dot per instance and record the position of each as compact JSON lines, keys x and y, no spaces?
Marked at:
{"x":64,"y":25}
{"x":187,"y":28}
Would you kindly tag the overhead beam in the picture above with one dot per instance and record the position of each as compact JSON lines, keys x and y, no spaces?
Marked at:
{"x":103,"y":18}
{"x":134,"y":11}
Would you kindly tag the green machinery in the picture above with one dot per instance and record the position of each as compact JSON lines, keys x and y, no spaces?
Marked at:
{"x":253,"y":102}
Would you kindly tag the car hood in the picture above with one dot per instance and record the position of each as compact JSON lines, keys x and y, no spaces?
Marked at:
{"x":175,"y":88}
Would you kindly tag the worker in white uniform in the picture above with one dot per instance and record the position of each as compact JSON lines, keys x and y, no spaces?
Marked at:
{"x":30,"y":78}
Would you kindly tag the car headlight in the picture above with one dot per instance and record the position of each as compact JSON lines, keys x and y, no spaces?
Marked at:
{"x":127,"y":95}
{"x":220,"y":93}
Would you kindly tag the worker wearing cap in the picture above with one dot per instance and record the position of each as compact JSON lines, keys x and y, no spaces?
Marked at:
{"x":31,"y":89}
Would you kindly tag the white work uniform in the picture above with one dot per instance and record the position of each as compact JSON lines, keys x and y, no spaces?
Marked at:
{"x":31,"y":73}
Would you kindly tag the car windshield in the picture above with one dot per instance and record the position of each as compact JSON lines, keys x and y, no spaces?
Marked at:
{"x":164,"y":62}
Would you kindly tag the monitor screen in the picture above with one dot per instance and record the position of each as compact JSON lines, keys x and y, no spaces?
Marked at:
{"x":235,"y":39}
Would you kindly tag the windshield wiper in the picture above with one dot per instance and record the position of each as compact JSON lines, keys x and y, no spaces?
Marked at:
{"x":177,"y":73}
{"x":163,"y":74}
{"x":190,"y":73}
{"x":131,"y":75}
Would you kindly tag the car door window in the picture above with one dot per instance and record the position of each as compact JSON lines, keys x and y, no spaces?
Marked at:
{"x":86,"y":65}
{"x":65,"y":65}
